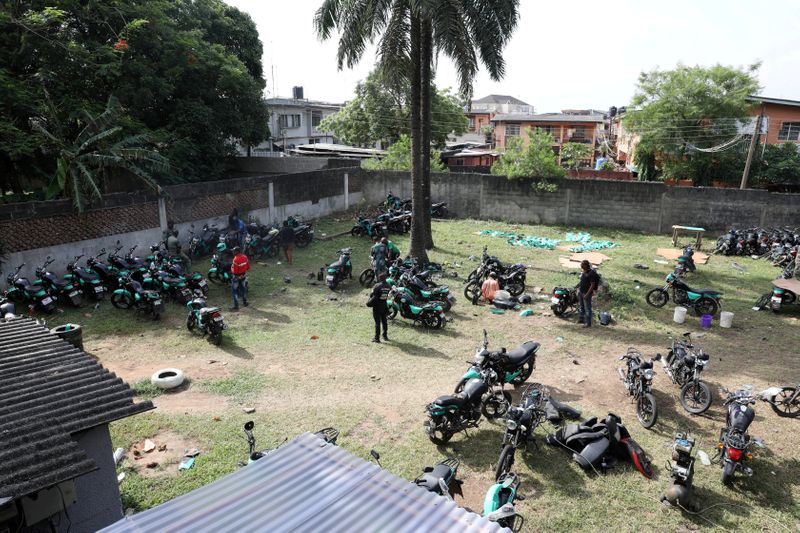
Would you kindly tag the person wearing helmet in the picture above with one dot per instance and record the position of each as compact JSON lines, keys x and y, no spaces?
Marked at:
{"x":239,"y":268}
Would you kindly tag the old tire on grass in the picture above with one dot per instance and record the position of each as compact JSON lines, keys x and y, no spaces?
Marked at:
{"x":72,"y":333}
{"x":168,"y":378}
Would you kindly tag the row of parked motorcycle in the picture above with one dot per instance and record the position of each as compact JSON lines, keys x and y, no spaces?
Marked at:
{"x":260,"y":240}
{"x":779,"y":245}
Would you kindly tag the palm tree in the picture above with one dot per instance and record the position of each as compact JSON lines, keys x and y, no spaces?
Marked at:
{"x":412,"y":32}
{"x":86,"y":162}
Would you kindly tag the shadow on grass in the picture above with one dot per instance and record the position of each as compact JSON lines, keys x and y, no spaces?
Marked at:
{"x":229,"y":346}
{"x":417,"y":350}
{"x":271,"y":316}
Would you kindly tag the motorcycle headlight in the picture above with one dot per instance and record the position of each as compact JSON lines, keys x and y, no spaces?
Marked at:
{"x":648,"y":374}
{"x":479,"y":359}
{"x":511,"y":424}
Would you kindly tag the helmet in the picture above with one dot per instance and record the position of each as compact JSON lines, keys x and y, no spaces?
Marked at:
{"x":604,"y":317}
{"x":221,"y":247}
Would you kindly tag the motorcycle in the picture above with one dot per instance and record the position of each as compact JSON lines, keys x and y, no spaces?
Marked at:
{"x":564,"y":300}
{"x":703,"y":301}
{"x":395,"y":222}
{"x":207,"y":320}
{"x":421,"y":291}
{"x":173,"y":287}
{"x":683,"y":365}
{"x":134,"y":265}
{"x":780,"y":296}
{"x":339,"y":270}
{"x":195,"y":280}
{"x":638,"y":379}
{"x":784,"y":400}
{"x":498,"y":504}
{"x":22,"y":291}
{"x":430,"y":315}
{"x":109,"y":274}
{"x":58,"y":288}
{"x":513,"y":367}
{"x":370,"y":228}
{"x":329,"y":435}
{"x":679,"y":492}
{"x":394,"y":202}
{"x":303,"y":233}
{"x":685,"y":263}
{"x":262,"y":242}
{"x":521,"y":422}
{"x":451,"y":414}
{"x":221,"y":261}
{"x":510,"y":278}
{"x":87,"y":279}
{"x":202,"y":245}
{"x":132,"y":295}
{"x":439,"y":210}
{"x":734,"y":441}
{"x":441,"y":479}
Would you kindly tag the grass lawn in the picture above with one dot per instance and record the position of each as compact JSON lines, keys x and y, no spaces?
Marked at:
{"x":304,"y":361}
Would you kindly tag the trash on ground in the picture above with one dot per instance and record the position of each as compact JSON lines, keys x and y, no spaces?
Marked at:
{"x":641,"y":266}
{"x":704,"y":458}
{"x":496,"y":311}
{"x":152,"y":464}
{"x":162,"y":447}
{"x":526,"y":312}
{"x":149,"y":445}
{"x":191,"y":452}
{"x":575,"y":362}
{"x":660,"y":261}
{"x":120,"y":477}
{"x":216,"y":418}
{"x":249,"y":410}
{"x":186,"y":464}
{"x":739,"y":267}
{"x":560,"y":339}
{"x":578,"y":237}
{"x":287,"y":279}
{"x":119,"y":453}
{"x":525,"y":299}
{"x":314,"y":337}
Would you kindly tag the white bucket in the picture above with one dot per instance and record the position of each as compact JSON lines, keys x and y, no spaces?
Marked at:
{"x":680,"y":315}
{"x":725,"y":319}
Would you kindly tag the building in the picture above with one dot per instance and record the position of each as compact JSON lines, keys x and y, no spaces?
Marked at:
{"x":295,"y":121}
{"x":57,"y":471}
{"x":564,"y":128}
{"x":482,"y":110}
{"x":469,"y":157}
{"x":782,"y":119}
{"x":308,"y":484}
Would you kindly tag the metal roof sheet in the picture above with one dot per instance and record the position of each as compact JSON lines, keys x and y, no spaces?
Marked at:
{"x":549,"y":117}
{"x":499,"y":99}
{"x":307,"y":485}
{"x":49,"y":390}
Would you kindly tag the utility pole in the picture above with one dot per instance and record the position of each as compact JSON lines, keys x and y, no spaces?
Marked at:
{"x":752,"y":149}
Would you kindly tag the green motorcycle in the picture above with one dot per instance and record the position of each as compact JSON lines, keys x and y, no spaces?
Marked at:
{"x":513,"y":367}
{"x":498,"y":505}
{"x":221,"y":261}
{"x":703,"y":301}
{"x":401,"y":301}
{"x":131,"y":295}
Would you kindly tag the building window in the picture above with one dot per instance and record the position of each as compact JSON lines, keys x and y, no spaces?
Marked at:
{"x":790,"y":131}
{"x":580,"y":133}
{"x":289,"y":121}
{"x":548,"y":129}
{"x":512,"y":130}
{"x":471,"y":123}
{"x":316,"y":118}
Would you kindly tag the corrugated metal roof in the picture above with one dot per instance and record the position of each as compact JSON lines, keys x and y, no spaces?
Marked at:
{"x":49,"y":390}
{"x":777,"y":101}
{"x":307,"y":485}
{"x":550,"y":117}
{"x":499,"y":99}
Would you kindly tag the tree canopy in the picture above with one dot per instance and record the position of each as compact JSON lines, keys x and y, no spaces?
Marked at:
{"x":186,"y":72}
{"x":380,"y":112}
{"x":678,"y":113}
{"x":398,"y":157}
{"x":536,"y":160}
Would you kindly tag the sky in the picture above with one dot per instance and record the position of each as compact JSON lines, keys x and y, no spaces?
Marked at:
{"x":576,"y":54}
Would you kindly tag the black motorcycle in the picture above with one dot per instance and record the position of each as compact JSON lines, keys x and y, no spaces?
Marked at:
{"x":339,"y":270}
{"x":521,"y":422}
{"x":22,"y":291}
{"x":206,"y":320}
{"x":203,"y":243}
{"x":685,"y":263}
{"x":450,"y":414}
{"x":510,"y":278}
{"x":734,"y":441}
{"x":170,"y":286}
{"x":136,"y":266}
{"x":109,"y":274}
{"x":564,"y":300}
{"x":638,"y":379}
{"x":87,"y":279}
{"x":441,"y":479}
{"x":303,"y":233}
{"x":439,"y":210}
{"x":59,"y":288}
{"x":703,"y":301}
{"x":131,"y":295}
{"x":513,"y":367}
{"x":683,"y":365}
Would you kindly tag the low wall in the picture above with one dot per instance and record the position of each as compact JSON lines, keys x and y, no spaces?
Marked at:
{"x":288,"y":165}
{"x":649,"y":207}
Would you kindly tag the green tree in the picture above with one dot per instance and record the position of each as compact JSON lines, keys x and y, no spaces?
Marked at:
{"x":573,"y":155}
{"x":84,"y":163}
{"x":536,"y":160}
{"x":409,"y":33}
{"x":780,"y":165}
{"x":398,"y":157}
{"x":188,"y":73}
{"x":676,"y":112}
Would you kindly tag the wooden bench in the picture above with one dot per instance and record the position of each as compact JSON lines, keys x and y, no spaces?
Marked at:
{"x":698,"y":232}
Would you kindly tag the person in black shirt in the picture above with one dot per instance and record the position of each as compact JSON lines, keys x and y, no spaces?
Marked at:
{"x":378,"y":301}
{"x":586,"y":289}
{"x":286,"y":238}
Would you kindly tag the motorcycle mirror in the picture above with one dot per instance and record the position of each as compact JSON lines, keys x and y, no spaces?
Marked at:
{"x":657,"y":357}
{"x":248,"y":426}
{"x":375,"y":455}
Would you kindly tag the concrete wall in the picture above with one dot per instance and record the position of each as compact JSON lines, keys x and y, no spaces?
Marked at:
{"x":288,"y":165}
{"x":645,"y":206}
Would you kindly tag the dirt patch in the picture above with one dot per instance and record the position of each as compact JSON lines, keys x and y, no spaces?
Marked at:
{"x":163,"y":460}
{"x":190,"y":402}
{"x":132,"y":371}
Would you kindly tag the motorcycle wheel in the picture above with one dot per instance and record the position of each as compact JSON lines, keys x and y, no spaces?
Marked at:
{"x":696,"y":397}
{"x":496,"y":406}
{"x":472,"y":292}
{"x":657,"y":297}
{"x":472,"y":275}
{"x":121,"y":301}
{"x":433,"y":321}
{"x":527,"y":370}
{"x":728,"y":470}
{"x":213,"y":277}
{"x":505,"y":462}
{"x":190,"y":322}
{"x":706,"y":306}
{"x":788,"y":410}
{"x":272,"y":251}
{"x":303,"y":240}
{"x":515,"y":288}
{"x":647,"y":410}
{"x":215,"y":338}
{"x":788,"y":298}
{"x":559,"y":309}
{"x":367,"y":277}
{"x":440,"y":434}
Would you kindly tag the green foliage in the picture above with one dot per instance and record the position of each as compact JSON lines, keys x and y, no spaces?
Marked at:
{"x":242,"y":386}
{"x":536,"y":160}
{"x":398,"y":157}
{"x":573,"y":155}
{"x":188,"y":74}
{"x":675,"y":111}
{"x":645,"y":162}
{"x":380,"y":113}
{"x":781,"y":164}
{"x":145,"y":390}
{"x":608,"y":164}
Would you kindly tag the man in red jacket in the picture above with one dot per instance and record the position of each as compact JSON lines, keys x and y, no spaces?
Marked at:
{"x":239,"y":269}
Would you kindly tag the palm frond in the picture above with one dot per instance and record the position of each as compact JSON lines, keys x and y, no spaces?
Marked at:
{"x":97,"y":137}
{"x":326,"y":19}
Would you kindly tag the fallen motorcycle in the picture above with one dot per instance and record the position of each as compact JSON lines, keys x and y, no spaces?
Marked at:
{"x":703,"y":301}
{"x":683,"y":365}
{"x":637,"y":376}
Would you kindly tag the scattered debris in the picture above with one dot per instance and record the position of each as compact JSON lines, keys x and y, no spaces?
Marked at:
{"x":149,"y":446}
{"x":311,"y":275}
{"x":212,"y":361}
{"x":472,"y":258}
{"x":120,"y":477}
{"x":186,"y":464}
{"x":704,"y":458}
{"x":660,"y":261}
{"x":287,"y":279}
{"x":216,"y":419}
{"x":496,"y":311}
{"x":575,"y":362}
{"x":560,"y":339}
{"x":191,"y":452}
{"x":526,"y":312}
{"x":314,"y":337}
{"x":152,"y":464}
{"x":525,"y":299}
{"x":249,"y":410}
{"x":119,"y":453}
{"x":641,"y":266}
{"x":375,"y":378}
{"x":579,"y":381}
{"x":162,"y":447}
{"x":738,"y":267}
{"x":331,"y":298}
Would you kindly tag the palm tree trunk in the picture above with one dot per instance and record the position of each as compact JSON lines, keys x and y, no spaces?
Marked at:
{"x":417,"y":190}
{"x":426,"y":57}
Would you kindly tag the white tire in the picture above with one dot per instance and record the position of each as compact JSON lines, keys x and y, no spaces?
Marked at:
{"x":168,"y":378}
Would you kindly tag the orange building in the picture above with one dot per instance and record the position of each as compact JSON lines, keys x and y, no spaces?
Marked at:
{"x":783,"y":119}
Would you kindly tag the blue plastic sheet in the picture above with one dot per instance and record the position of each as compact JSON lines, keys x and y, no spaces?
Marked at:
{"x":530,"y":241}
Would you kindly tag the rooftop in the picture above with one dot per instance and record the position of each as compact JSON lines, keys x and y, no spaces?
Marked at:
{"x":547,"y":117}
{"x":777,"y":101}
{"x":499,"y":99}
{"x":292,"y":102}
{"x":308,"y":485}
{"x":49,"y":390}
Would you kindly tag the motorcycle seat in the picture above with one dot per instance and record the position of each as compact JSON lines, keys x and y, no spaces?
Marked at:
{"x":430,"y":480}
{"x":88,"y":276}
{"x":704,"y":291}
{"x":204,"y":310}
{"x":646,"y":365}
{"x":169,"y":279}
{"x":450,"y":399}
{"x":338,"y":263}
{"x":523,"y":352}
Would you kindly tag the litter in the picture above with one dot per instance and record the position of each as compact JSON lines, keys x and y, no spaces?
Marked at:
{"x":186,"y":464}
{"x":704,"y":458}
{"x":739,"y":267}
{"x":496,"y":311}
{"x":120,"y":477}
{"x":314,"y":337}
{"x":660,"y":261}
{"x":641,"y":266}
{"x":149,"y":445}
{"x":515,"y":239}
{"x":119,"y":453}
{"x":249,"y":410}
{"x":560,"y":339}
{"x":191,"y":452}
{"x":526,"y":312}
{"x":578,"y":237}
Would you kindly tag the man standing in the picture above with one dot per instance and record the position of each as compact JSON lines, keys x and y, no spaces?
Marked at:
{"x":239,"y":270}
{"x":378,"y":301}
{"x":586,"y":289}
{"x":175,"y":250}
{"x":378,"y":254}
{"x":392,"y":251}
{"x":286,"y":238}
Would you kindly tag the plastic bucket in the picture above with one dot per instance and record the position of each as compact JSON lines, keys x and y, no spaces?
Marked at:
{"x":679,"y":315}
{"x":725,"y":319}
{"x":705,"y":321}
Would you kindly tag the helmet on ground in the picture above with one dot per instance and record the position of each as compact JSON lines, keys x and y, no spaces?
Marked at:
{"x":604,"y":317}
